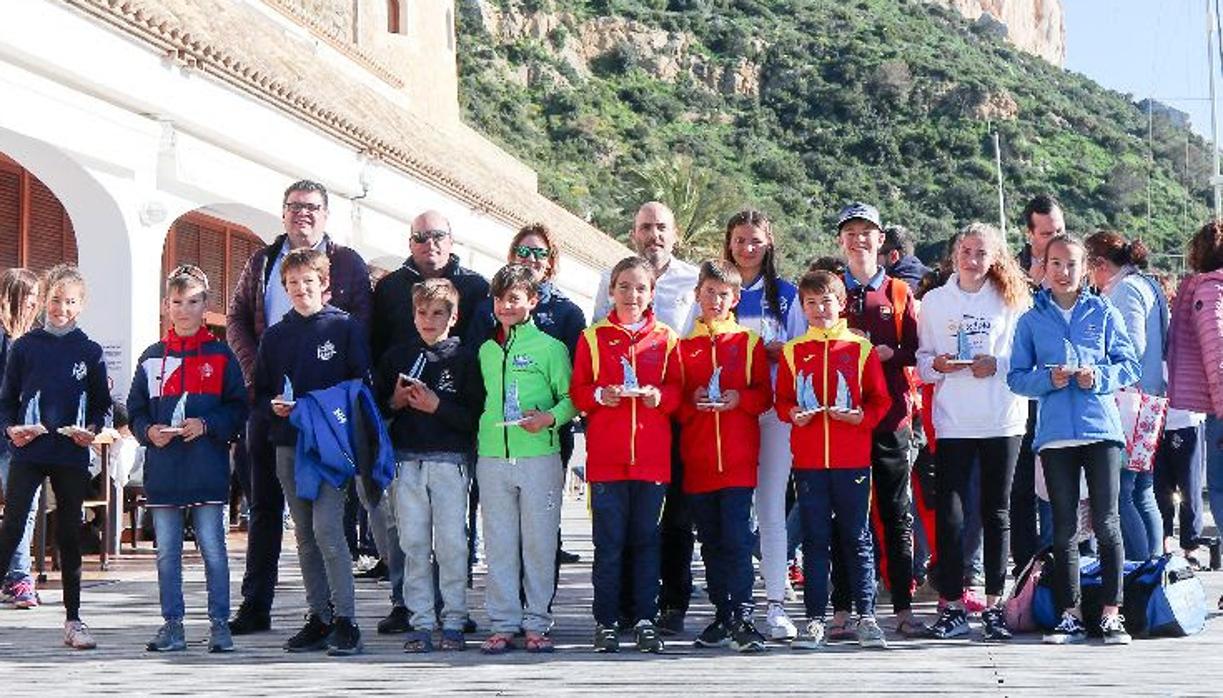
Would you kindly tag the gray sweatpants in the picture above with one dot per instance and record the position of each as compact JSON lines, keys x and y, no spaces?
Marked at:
{"x":322,"y":549}
{"x":520,"y":504}
{"x":431,"y":508}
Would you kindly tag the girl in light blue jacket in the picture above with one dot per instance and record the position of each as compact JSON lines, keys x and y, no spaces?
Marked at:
{"x":1071,"y":352}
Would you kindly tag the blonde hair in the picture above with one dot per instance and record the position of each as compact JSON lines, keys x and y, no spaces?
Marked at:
{"x":62,"y":275}
{"x":16,"y":287}
{"x":1004,"y":273}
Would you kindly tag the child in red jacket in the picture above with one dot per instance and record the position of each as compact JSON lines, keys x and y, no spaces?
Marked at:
{"x":626,"y":380}
{"x":830,"y":386}
{"x":726,"y":388}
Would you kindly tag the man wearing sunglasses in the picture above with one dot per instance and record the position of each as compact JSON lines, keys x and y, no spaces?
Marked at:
{"x":430,"y":242}
{"x":260,"y":301}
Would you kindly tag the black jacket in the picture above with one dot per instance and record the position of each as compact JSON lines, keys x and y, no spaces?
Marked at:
{"x":450,"y":370}
{"x":393,"y":323}
{"x":313,"y":352}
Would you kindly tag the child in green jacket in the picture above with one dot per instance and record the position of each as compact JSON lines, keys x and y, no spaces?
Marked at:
{"x":526,"y":380}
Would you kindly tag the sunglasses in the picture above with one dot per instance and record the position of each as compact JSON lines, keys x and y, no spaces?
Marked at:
{"x":299,"y":206}
{"x":527,"y":252}
{"x":420,"y":237}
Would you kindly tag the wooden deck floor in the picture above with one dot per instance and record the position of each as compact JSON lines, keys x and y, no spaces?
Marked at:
{"x":122,"y":608}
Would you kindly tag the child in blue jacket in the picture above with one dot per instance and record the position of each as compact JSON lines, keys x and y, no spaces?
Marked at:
{"x":53,"y":400}
{"x":1071,"y":352}
{"x":315,"y":346}
{"x":187,"y":403}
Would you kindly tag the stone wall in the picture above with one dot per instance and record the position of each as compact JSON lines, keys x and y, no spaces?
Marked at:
{"x":1035,"y":26}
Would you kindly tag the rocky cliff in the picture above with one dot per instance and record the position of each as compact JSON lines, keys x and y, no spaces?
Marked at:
{"x":1036,"y":26}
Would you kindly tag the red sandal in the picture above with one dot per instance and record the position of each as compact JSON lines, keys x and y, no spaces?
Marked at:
{"x":539,"y":644}
{"x":497,"y":643}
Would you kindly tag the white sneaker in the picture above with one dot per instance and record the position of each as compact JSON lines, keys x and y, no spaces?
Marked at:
{"x":77,"y":636}
{"x":779,"y":624}
{"x":812,"y":637}
{"x":870,"y":634}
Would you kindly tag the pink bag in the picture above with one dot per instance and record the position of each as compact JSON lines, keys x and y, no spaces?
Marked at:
{"x":1142,"y":422}
{"x":1018,"y":604}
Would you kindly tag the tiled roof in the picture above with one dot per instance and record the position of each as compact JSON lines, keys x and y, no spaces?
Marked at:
{"x":242,"y":48}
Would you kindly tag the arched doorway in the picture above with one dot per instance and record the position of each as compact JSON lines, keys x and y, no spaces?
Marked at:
{"x":35,"y":229}
{"x":218,"y":246}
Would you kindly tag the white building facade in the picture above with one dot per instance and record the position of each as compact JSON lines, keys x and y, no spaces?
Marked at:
{"x":101,"y":102}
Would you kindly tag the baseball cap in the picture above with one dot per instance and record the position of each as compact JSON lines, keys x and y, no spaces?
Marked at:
{"x":863,"y":211}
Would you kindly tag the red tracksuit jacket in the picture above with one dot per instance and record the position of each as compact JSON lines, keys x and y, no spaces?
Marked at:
{"x":722,"y":449}
{"x":822,"y":353}
{"x":629,"y":441}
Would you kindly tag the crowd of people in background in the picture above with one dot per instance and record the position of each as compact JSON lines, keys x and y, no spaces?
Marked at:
{"x":903,"y":425}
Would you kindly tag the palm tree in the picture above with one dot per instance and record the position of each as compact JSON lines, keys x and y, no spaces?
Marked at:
{"x":701,"y":199}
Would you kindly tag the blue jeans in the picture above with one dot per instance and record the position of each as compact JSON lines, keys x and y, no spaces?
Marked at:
{"x":625,"y":519}
{"x":209,"y":523}
{"x":844,"y":493}
{"x":723,"y":526}
{"x":1214,"y":465}
{"x":1142,"y":527}
{"x":19,"y":566}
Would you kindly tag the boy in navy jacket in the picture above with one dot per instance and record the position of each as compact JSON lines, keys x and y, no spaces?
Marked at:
{"x":314,"y":347}
{"x":187,"y":403}
{"x":432,"y":391}
{"x":53,"y":400}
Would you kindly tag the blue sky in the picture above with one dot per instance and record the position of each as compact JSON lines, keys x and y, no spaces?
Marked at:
{"x":1146,"y":48}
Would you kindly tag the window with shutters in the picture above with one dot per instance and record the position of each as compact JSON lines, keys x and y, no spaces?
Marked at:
{"x":35,"y":230}
{"x":218,"y":247}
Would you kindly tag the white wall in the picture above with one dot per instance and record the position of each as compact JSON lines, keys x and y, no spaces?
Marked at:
{"x":129,"y":142}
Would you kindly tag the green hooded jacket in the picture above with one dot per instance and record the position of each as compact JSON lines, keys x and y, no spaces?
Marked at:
{"x":537,"y":368}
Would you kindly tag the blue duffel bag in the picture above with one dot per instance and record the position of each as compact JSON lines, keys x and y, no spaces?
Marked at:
{"x":1163,"y":597}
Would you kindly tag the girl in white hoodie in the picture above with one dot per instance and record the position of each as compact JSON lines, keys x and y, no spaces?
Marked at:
{"x":965,"y":331}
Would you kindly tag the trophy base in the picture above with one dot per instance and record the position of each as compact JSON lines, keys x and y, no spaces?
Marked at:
{"x":1064,"y":367}
{"x":633,"y":392}
{"x":511,"y":422}
{"x":284,"y":403}
{"x":808,"y":413}
{"x":844,"y":410}
{"x":171,"y":430}
{"x":710,"y":405}
{"x":36,"y":429}
{"x":72,"y":431}
{"x":960,"y":362}
{"x":405,"y":378}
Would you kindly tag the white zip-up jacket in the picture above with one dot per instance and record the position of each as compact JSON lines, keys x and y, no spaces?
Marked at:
{"x":966,"y":407}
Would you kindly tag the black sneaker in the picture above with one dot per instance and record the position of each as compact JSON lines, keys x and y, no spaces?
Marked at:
{"x":606,"y":639}
{"x":247,"y":620}
{"x":951,"y":623}
{"x":993,"y":625}
{"x":648,"y":638}
{"x":311,"y":638}
{"x":568,"y":558}
{"x":1113,"y":630}
{"x":716,"y":634}
{"x":396,"y":622}
{"x":670,"y":621}
{"x":378,"y":572}
{"x":1068,"y":631}
{"x":345,"y":638}
{"x":745,"y":638}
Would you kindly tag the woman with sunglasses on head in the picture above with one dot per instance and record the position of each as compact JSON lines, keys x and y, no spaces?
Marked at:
{"x":768,"y":305}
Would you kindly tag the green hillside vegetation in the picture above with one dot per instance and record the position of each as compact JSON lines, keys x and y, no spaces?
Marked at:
{"x":887,"y":101}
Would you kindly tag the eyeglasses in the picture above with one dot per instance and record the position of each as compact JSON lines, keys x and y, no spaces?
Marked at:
{"x":421,"y":237}
{"x":527,"y":252}
{"x":299,"y":206}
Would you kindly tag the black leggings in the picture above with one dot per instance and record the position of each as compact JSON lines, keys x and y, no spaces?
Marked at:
{"x":955,"y":458}
{"x":70,"y":484}
{"x":1100,"y":462}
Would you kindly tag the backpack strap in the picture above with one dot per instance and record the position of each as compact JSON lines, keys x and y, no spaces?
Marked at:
{"x":899,"y":295}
